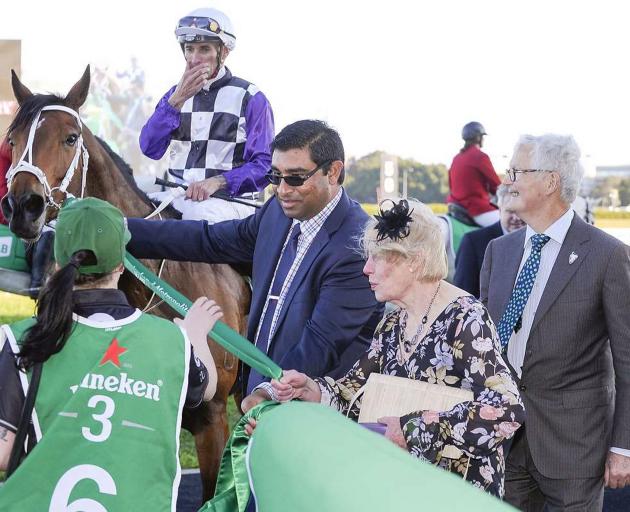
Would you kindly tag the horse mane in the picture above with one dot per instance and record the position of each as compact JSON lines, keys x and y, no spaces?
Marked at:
{"x":127,"y":173}
{"x":30,"y":108}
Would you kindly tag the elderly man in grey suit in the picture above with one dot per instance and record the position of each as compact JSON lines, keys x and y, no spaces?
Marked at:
{"x":559,"y":293}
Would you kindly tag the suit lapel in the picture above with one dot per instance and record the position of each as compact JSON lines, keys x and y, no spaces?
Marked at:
{"x":273,"y":249}
{"x":320,"y":241}
{"x":577,"y":242}
{"x":332,"y":224}
{"x":497,"y":230}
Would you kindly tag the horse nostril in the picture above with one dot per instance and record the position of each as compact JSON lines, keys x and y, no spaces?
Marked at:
{"x":34,"y":205}
{"x":6,"y":205}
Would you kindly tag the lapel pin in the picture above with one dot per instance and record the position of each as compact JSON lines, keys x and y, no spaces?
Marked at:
{"x":572,"y":258}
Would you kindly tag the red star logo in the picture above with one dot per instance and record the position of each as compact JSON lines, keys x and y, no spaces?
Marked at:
{"x":111,"y":354}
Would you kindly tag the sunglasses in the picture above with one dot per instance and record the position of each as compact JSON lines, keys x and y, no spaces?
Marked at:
{"x":294,"y":180}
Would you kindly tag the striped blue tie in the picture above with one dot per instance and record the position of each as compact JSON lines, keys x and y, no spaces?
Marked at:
{"x":522,"y":289}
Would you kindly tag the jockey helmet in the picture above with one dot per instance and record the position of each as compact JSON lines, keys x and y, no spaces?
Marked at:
{"x":206,"y":24}
{"x":473,"y":130}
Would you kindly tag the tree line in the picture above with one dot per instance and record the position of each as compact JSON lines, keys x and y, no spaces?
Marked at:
{"x":426,"y":182}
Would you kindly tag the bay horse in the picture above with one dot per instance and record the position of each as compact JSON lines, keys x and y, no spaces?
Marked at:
{"x":60,"y":145}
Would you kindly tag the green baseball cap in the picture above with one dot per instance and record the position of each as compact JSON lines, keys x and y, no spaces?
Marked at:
{"x":94,"y":225}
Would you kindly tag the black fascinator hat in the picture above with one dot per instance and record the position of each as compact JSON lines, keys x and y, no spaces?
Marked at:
{"x":393,"y":223}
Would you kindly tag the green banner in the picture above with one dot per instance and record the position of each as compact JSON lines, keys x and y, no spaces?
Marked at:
{"x":228,"y":338}
{"x":308,"y":457}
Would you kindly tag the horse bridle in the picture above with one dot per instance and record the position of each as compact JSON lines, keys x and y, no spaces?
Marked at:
{"x":25,"y":164}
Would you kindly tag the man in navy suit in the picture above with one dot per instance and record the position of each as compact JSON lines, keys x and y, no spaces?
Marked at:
{"x":473,"y":246}
{"x":312,"y":307}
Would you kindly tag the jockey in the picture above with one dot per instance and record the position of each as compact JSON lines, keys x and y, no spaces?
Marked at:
{"x":472,"y":178}
{"x":219,"y":127}
{"x":112,"y":381}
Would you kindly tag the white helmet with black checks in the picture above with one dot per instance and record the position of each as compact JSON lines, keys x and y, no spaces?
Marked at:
{"x":206,"y":24}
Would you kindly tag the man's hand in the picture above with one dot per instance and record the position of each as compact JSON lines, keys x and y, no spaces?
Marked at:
{"x":252,"y":400}
{"x":202,"y":190}
{"x":394,"y":432}
{"x":190,"y":84}
{"x":617,"y":473}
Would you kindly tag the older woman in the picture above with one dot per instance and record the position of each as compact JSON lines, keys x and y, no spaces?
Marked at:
{"x":438,"y":334}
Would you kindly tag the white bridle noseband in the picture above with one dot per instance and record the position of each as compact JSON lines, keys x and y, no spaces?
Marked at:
{"x":25,"y":164}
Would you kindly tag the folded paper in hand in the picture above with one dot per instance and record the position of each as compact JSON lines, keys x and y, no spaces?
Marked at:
{"x":387,"y":395}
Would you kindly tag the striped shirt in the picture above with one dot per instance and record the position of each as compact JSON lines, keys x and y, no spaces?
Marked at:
{"x":309,"y":229}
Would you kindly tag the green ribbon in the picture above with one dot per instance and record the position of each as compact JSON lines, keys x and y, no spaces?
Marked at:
{"x":228,"y":338}
{"x":232,"y":490}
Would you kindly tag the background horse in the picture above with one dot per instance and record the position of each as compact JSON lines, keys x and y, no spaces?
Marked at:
{"x":30,"y":204}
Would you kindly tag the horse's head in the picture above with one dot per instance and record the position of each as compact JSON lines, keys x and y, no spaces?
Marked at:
{"x":47,"y":149}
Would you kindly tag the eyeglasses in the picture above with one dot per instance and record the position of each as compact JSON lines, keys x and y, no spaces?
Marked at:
{"x":203,"y":23}
{"x":292,"y":180}
{"x":511,"y":173}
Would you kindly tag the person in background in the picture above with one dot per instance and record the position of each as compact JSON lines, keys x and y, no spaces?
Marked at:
{"x":472,"y":178}
{"x":217,"y":127}
{"x":113,"y":380}
{"x":473,"y":246}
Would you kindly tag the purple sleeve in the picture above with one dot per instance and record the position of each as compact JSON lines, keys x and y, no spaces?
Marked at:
{"x":259,"y":129}
{"x":155,"y":136}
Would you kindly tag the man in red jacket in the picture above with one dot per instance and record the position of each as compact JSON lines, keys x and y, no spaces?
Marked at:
{"x":472,"y":178}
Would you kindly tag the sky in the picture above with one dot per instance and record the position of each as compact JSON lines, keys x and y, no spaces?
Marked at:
{"x":399,"y":76}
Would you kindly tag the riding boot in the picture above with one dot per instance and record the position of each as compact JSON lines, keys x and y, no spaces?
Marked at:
{"x":42,"y":257}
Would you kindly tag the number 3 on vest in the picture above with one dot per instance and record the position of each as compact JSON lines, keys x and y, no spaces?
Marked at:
{"x":102,"y":418}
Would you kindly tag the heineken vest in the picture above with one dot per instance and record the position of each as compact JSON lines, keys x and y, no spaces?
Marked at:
{"x":106,"y":418}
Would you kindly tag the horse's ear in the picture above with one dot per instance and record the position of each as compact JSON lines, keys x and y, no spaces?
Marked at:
{"x":20,"y":91}
{"x":78,"y":94}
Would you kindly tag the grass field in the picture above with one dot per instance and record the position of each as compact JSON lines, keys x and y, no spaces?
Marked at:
{"x":16,"y":307}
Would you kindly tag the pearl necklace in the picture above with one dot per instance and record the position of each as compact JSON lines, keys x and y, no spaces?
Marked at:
{"x":408,"y":346}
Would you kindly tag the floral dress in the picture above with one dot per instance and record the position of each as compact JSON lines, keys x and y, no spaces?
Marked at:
{"x":460,"y":349}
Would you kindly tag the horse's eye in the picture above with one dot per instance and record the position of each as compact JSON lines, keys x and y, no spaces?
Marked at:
{"x":11,"y":143}
{"x":70,"y":141}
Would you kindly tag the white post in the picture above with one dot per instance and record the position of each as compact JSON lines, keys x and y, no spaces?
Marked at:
{"x":405,"y":175}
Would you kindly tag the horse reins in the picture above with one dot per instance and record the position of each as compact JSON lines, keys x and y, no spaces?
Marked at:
{"x":25,"y":163}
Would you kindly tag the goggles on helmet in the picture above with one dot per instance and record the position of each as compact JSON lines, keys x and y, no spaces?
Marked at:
{"x":202,"y":24}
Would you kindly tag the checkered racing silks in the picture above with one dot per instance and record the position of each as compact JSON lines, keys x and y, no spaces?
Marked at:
{"x":211,"y":136}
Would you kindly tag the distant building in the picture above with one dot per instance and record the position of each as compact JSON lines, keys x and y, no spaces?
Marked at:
{"x":612,"y":171}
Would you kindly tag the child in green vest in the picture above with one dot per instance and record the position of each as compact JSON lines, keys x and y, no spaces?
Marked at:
{"x":104,"y":429}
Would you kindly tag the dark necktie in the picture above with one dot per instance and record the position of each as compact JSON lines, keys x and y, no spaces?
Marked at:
{"x":286,"y":260}
{"x":521,"y":291}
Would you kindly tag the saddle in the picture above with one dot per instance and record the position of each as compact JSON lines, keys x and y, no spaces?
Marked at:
{"x":458,"y":212}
